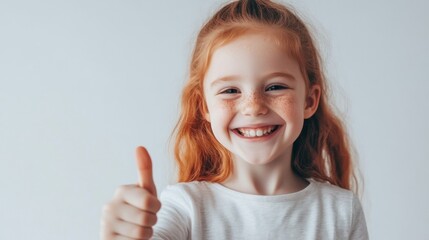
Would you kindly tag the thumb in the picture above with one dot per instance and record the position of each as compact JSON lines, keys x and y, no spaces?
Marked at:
{"x":144,"y":165}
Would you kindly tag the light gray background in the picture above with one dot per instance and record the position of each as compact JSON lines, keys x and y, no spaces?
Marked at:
{"x":82,"y":83}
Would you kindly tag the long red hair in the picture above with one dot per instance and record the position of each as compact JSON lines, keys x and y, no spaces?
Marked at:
{"x":322,"y":150}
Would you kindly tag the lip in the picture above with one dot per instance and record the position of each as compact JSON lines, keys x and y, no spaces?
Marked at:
{"x":258,"y":139}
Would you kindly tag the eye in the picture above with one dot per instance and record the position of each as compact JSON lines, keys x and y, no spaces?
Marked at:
{"x":275,"y":87}
{"x":230,"y":91}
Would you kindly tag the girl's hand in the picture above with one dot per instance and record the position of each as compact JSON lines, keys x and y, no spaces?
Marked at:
{"x":132,"y":211}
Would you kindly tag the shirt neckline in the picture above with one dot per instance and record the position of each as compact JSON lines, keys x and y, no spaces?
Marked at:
{"x":264,"y":198}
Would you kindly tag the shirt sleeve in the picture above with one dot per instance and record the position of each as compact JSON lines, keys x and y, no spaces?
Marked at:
{"x":358,"y":230}
{"x":172,"y":217}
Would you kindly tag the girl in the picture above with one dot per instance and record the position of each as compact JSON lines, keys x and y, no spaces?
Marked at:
{"x":260,"y":153}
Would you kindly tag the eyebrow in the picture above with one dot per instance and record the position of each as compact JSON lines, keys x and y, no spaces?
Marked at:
{"x":235,"y":77}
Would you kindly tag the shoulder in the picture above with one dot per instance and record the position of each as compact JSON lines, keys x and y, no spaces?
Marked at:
{"x":331,"y":192}
{"x":341,"y":201}
{"x":334,"y":198}
{"x":346,"y":205}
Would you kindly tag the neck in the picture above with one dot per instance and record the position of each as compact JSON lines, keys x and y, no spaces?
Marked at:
{"x":273,"y":178}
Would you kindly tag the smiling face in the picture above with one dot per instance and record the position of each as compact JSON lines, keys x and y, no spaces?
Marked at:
{"x":256,"y":99}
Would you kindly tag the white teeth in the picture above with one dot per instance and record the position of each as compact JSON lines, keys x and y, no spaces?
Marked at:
{"x":258,"y":132}
{"x":252,"y":132}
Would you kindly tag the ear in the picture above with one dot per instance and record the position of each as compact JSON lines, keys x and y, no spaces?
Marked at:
{"x":312,"y":101}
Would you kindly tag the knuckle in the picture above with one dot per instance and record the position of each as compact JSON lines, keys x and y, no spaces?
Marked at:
{"x":107,"y":208}
{"x":137,"y":232}
{"x":147,"y":219}
{"x":154,"y":220}
{"x":157,"y":205}
{"x":103,"y":223}
{"x":141,"y":232}
{"x":120,"y":191}
{"x":146,"y":202}
{"x":141,"y":219}
{"x":150,"y":203}
{"x":148,"y":232}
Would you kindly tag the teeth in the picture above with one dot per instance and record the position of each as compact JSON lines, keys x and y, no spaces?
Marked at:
{"x":252,"y":133}
{"x":258,"y":132}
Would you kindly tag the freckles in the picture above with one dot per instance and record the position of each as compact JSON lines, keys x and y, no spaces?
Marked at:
{"x":285,"y":101}
{"x":287,"y":104}
{"x":226,"y":105}
{"x":223,"y":109}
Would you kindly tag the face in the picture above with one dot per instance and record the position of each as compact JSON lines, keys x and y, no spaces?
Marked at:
{"x":256,"y":99}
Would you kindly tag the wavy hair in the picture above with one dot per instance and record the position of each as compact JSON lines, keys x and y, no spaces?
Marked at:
{"x":322,"y":151}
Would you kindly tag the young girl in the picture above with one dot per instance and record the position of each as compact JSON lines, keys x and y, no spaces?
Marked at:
{"x":260,"y":153}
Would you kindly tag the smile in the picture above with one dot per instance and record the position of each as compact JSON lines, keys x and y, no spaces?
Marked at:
{"x":256,"y":132}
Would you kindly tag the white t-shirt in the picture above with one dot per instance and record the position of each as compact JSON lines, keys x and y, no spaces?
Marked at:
{"x":204,"y":210}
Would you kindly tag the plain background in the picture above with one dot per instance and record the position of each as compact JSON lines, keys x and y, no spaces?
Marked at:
{"x":83,"y":83}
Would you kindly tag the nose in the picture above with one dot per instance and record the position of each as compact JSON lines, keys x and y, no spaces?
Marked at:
{"x":253,"y":105}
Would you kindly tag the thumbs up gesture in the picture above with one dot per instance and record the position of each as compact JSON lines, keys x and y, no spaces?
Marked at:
{"x":144,"y":165}
{"x":131,"y":213}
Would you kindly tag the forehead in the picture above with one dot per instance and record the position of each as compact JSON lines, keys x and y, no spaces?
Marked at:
{"x":251,"y":55}
{"x":250,"y":47}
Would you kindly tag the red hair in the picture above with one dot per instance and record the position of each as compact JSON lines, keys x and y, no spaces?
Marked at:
{"x":322,"y":151}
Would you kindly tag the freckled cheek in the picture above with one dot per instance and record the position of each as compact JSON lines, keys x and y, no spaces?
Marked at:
{"x":288,"y":106}
{"x":222,"y":113}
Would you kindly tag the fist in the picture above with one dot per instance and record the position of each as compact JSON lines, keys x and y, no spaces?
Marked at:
{"x":131,"y":213}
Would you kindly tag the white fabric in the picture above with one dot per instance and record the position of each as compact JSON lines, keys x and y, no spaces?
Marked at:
{"x":204,"y":210}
